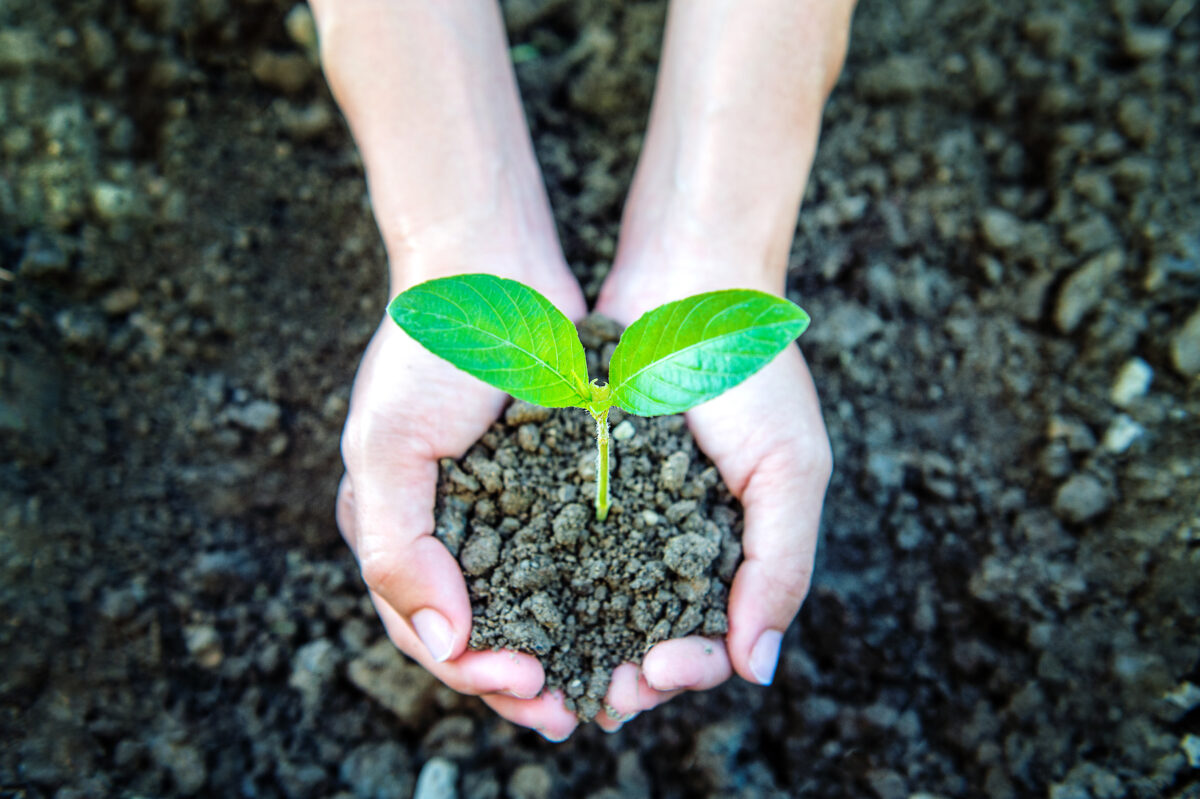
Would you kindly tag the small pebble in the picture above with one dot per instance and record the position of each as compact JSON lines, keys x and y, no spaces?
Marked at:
{"x":113,"y":203}
{"x":529,"y":437}
{"x":521,"y":412}
{"x":899,"y":77}
{"x":258,"y":415}
{"x":533,"y":573}
{"x":1078,"y":435}
{"x":378,"y":770}
{"x":1081,"y":498}
{"x":20,"y":48}
{"x":1001,"y":230}
{"x":1143,"y":43}
{"x":1083,"y":290}
{"x":304,"y":123}
{"x":1121,"y":434}
{"x":531,"y":781}
{"x":1091,"y":234}
{"x":514,"y":501}
{"x":80,"y":327}
{"x":301,"y":27}
{"x":624,"y":431}
{"x":1132,"y":382}
{"x":1191,"y":749}
{"x":1136,"y":119}
{"x":120,"y":301}
{"x":204,"y":645}
{"x":488,"y":472}
{"x":570,"y":525}
{"x":689,"y":555}
{"x":481,"y":552}
{"x":313,"y":668}
{"x":286,"y":72}
{"x":674,"y":471}
{"x":1185,"y":696}
{"x":1185,"y":347}
{"x":438,"y":780}
{"x":544,"y":611}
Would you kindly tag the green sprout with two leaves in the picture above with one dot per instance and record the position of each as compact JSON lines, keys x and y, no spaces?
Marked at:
{"x":670,"y":360}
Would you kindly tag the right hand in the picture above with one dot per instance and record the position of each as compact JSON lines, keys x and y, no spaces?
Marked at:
{"x":408,"y":409}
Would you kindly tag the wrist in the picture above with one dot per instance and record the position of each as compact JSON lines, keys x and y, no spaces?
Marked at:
{"x":509,"y":242}
{"x":669,"y":266}
{"x":728,"y":150}
{"x":430,"y":96}
{"x":504,"y":251}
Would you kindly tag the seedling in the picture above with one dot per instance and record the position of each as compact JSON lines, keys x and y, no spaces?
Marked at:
{"x":670,"y":360}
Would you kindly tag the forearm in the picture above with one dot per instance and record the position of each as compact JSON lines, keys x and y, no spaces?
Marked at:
{"x":732,"y":134}
{"x":430,"y":96}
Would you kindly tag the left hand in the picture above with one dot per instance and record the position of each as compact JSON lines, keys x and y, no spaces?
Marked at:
{"x":768,"y":441}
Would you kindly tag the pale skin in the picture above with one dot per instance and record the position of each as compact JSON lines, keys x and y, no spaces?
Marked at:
{"x":431,"y":98}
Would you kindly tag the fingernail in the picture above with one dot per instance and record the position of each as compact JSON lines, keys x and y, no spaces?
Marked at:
{"x":516,"y":695}
{"x":435,"y":632}
{"x":765,"y":656}
{"x":662,"y":684}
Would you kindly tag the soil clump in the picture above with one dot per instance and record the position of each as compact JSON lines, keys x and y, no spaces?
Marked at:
{"x":545,"y":577}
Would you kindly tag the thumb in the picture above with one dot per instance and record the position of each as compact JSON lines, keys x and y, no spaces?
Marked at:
{"x":391,"y":513}
{"x":783,"y":502}
{"x":769,"y":443}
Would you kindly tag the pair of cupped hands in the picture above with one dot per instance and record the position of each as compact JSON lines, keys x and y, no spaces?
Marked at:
{"x":409,"y":408}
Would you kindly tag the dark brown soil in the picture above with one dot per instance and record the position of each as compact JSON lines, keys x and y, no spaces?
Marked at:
{"x":546,"y":577}
{"x":1000,"y":249}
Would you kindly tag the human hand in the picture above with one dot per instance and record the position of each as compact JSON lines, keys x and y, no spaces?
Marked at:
{"x":408,"y":409}
{"x":768,"y":441}
{"x":429,"y":92}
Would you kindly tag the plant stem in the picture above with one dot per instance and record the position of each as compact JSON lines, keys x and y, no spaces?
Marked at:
{"x":602,"y":445}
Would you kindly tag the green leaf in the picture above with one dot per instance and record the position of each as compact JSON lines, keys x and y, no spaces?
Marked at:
{"x":500,"y":331}
{"x":683,"y":353}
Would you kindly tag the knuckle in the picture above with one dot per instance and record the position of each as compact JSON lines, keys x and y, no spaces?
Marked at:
{"x":809,"y":464}
{"x":790,"y":579}
{"x":353,"y":437}
{"x":796,"y":581}
{"x":456,"y":682}
{"x":381,"y":570}
{"x":820,"y":464}
{"x":344,"y":514}
{"x":796,"y":589}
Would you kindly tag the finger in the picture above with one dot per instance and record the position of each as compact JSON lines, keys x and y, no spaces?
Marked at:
{"x":783,"y":497}
{"x":630,"y":694}
{"x":472,"y":672}
{"x":547,"y":714}
{"x":777,"y":463}
{"x":401,"y":562}
{"x":783,"y":501}
{"x":692,"y":663}
{"x":623,"y":691}
{"x":668,"y":669}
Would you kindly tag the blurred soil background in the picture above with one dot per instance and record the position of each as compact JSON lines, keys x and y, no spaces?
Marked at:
{"x":1000,"y":247}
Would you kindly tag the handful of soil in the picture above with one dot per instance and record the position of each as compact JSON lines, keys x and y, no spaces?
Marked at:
{"x":546,"y":578}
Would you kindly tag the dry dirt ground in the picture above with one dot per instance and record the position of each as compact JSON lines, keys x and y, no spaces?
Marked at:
{"x":1000,"y":248}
